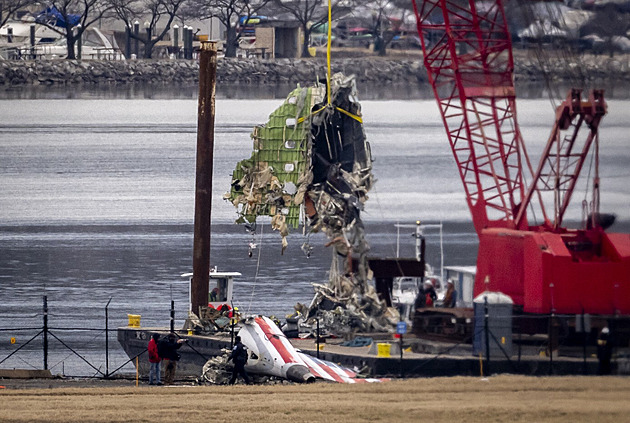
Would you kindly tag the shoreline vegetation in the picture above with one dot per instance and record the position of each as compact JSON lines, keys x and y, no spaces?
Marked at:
{"x":517,"y":399}
{"x":393,"y":69}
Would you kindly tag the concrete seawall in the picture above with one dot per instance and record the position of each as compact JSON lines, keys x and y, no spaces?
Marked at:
{"x":303,"y":71}
{"x":245,"y":71}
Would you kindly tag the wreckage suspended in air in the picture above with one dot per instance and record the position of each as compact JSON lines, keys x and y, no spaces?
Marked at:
{"x":312,"y":159}
{"x":310,"y":154}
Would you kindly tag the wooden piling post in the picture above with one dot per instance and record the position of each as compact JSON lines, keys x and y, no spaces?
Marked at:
{"x":203,"y":185}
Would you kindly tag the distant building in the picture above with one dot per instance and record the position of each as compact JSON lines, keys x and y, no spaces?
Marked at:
{"x":280,"y":39}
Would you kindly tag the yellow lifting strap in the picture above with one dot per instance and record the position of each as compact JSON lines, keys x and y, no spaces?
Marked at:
{"x":353,"y":116}
{"x":328,"y":76}
{"x":303,"y":118}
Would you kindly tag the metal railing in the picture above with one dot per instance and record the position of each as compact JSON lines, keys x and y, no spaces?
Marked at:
{"x":70,"y":340}
{"x":501,"y":343}
{"x":88,"y":346}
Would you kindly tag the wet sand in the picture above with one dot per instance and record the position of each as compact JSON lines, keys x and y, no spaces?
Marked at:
{"x":496,"y":399}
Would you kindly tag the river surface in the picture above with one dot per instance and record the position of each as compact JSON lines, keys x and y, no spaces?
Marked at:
{"x":97,"y":202}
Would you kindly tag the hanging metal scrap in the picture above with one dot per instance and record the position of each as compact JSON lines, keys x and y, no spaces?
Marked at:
{"x":314,"y":155}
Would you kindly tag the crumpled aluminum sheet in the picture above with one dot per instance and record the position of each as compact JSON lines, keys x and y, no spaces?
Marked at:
{"x":218,"y":371}
{"x":211,"y":321}
{"x":335,"y":176}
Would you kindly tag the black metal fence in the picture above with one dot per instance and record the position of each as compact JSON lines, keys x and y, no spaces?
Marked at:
{"x":75,"y":351}
{"x":527,"y":343}
{"x":491,"y":343}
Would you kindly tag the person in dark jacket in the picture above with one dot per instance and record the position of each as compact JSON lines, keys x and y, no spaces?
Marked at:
{"x":604,"y":352}
{"x":167,"y":349}
{"x":421,"y":300}
{"x":239,"y":356}
{"x":154,"y":359}
{"x":429,"y":294}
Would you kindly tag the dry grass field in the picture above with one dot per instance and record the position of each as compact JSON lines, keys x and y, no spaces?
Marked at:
{"x":510,"y":399}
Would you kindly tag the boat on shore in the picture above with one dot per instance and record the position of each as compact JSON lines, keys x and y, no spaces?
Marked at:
{"x":17,"y":43}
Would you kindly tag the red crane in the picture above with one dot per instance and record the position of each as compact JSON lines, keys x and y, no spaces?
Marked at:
{"x":545,"y":267}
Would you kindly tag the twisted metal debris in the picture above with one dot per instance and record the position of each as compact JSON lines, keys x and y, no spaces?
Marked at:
{"x":312,"y":160}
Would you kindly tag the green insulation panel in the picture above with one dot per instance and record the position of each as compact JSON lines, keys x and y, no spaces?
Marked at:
{"x":281,"y":144}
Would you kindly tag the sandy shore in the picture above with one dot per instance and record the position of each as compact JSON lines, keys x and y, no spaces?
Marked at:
{"x":497,"y":399}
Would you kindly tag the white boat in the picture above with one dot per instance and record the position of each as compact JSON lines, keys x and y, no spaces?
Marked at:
{"x":406,"y":289}
{"x":221,"y":287}
{"x":19,"y":33}
{"x":52,"y":45}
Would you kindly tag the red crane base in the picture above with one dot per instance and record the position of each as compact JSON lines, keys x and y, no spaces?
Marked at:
{"x":574,"y":271}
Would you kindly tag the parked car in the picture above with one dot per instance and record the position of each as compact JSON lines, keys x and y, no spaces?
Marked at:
{"x":406,"y":42}
{"x":355,"y":37}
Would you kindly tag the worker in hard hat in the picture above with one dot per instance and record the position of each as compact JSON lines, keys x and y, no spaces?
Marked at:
{"x":604,"y":352}
{"x":236,"y":315}
{"x":450,"y":297}
{"x":430,"y":295}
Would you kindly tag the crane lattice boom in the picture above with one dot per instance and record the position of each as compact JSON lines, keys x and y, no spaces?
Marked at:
{"x":543,"y":267}
{"x":469,"y":61}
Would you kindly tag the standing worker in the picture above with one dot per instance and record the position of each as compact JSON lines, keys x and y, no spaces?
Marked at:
{"x":604,"y":352}
{"x":450,"y":298}
{"x":429,"y":294}
{"x":239,"y":356}
{"x":154,"y":359}
{"x":167,"y":349}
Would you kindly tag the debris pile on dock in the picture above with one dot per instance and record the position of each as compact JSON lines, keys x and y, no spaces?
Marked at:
{"x":345,"y":316}
{"x":218,"y":371}
{"x":210,"y":320}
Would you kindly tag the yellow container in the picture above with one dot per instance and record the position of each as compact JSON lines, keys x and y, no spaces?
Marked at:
{"x":383,"y":350}
{"x":312,"y":51}
{"x":134,"y":320}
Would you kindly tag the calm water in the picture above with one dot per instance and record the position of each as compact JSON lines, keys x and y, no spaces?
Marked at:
{"x":96,"y":202}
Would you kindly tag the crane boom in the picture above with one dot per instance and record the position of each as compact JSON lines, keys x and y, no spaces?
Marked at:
{"x":544,"y":268}
{"x":562,"y":158}
{"x":468,"y":57}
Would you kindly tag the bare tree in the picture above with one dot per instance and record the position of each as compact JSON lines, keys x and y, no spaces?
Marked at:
{"x":228,"y":12}
{"x":311,"y":14}
{"x":9,"y":7}
{"x":71,"y":18}
{"x":608,"y":22}
{"x":156,"y":13}
{"x":388,"y":17}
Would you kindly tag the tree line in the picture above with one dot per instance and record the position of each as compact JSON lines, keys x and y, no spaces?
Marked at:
{"x":71,"y":18}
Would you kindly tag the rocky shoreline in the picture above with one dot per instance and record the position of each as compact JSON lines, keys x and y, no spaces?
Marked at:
{"x":255,"y":71}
